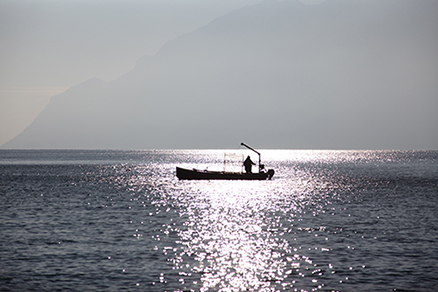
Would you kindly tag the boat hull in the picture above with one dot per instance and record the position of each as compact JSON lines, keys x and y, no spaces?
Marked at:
{"x":196,"y":174}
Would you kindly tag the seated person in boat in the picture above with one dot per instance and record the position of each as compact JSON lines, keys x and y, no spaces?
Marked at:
{"x":248,"y":164}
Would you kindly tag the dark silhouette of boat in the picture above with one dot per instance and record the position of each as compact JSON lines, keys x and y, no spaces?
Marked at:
{"x":196,"y":174}
{"x":183,"y":173}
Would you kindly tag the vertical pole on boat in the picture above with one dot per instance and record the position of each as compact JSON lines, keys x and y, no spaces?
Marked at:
{"x":260,"y":156}
{"x":225,"y":160}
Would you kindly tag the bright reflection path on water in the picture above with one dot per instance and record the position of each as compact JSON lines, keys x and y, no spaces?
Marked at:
{"x":274,"y":235}
{"x":234,"y":235}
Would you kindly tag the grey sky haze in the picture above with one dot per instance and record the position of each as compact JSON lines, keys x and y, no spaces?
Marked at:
{"x":340,"y":75}
{"x":48,"y":46}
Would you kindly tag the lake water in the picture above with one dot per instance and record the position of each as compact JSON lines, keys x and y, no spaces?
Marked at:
{"x":121,"y":221}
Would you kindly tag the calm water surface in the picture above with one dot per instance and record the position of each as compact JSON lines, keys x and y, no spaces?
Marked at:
{"x":122,"y":221}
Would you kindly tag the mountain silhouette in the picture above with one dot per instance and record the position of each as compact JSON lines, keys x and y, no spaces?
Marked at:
{"x":280,"y":74}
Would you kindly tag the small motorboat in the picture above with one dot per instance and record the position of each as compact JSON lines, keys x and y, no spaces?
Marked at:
{"x":196,"y":174}
{"x":183,"y":173}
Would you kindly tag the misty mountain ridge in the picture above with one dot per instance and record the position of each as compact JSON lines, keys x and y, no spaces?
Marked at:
{"x":279,"y":74}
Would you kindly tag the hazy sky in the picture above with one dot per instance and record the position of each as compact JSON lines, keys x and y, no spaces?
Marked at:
{"x":343,"y":78}
{"x":48,"y":46}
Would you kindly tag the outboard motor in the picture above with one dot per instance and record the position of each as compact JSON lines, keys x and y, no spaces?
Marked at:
{"x":270,"y":173}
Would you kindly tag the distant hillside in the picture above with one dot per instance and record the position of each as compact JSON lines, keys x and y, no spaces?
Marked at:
{"x":280,"y":74}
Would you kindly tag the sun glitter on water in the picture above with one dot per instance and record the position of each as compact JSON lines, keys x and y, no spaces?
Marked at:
{"x":242,"y":236}
{"x":232,"y":240}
